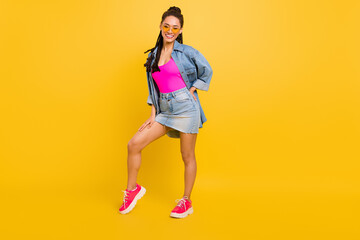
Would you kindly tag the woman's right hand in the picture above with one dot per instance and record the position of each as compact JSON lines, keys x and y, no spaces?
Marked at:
{"x":148,"y":123}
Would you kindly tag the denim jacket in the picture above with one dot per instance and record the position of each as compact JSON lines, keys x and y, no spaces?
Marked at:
{"x":194,"y":69}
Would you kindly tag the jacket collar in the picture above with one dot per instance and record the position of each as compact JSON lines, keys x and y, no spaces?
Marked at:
{"x":177,"y":46}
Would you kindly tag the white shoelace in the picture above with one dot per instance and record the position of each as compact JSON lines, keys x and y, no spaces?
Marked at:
{"x":181,"y":202}
{"x":125,"y":196}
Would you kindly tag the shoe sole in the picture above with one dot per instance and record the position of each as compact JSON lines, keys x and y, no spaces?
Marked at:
{"x":182,"y":215}
{"x":136,"y":198}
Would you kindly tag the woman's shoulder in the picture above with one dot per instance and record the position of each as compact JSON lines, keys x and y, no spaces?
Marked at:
{"x":186,"y":47}
{"x":189,"y":50}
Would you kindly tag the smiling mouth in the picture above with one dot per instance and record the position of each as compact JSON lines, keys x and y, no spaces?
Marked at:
{"x":169,"y":36}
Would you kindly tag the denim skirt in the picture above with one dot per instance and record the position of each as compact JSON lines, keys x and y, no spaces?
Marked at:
{"x":179,"y":111}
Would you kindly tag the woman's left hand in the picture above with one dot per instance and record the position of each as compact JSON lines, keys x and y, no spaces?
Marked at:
{"x":192,"y":89}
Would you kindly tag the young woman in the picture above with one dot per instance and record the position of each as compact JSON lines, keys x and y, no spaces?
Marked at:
{"x":174,"y":73}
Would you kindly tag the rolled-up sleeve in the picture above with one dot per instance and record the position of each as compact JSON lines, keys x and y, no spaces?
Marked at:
{"x":204,"y":72}
{"x":149,"y":100}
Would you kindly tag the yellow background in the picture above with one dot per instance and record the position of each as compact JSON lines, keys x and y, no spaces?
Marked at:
{"x":278,"y":157}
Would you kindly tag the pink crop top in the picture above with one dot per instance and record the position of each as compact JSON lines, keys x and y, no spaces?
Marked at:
{"x":169,"y":78}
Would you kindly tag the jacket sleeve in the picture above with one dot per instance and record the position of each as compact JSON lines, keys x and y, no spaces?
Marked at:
{"x":149,"y":99}
{"x":204,"y":72}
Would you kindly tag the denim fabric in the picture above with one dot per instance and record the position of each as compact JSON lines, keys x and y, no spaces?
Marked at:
{"x":180,"y":111}
{"x":194,"y":69}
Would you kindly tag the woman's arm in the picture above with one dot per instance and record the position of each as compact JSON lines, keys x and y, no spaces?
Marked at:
{"x":204,"y":72}
{"x":153,"y":111}
{"x":150,"y":121}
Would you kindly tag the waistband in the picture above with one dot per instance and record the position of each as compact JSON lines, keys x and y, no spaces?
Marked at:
{"x":173,"y":94}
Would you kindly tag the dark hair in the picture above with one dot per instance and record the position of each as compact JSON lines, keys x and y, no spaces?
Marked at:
{"x":172,"y":11}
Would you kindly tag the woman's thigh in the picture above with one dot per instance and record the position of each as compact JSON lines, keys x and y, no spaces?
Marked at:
{"x":187,"y":144}
{"x":142,"y":138}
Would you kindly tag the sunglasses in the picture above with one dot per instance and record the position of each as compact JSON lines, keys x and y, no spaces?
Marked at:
{"x":167,"y":28}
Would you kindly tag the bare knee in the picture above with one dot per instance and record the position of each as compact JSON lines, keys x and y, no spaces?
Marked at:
{"x":188,"y":156}
{"x":134,"y":145}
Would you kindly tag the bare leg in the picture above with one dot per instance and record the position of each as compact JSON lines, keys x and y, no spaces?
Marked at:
{"x":139,"y":141}
{"x":187,"y":144}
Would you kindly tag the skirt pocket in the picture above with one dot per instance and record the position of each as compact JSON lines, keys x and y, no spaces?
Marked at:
{"x":182,"y":97}
{"x":164,"y":106}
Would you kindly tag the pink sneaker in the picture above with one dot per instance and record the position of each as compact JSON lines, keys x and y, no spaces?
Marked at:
{"x":130,"y":198}
{"x":182,"y":209}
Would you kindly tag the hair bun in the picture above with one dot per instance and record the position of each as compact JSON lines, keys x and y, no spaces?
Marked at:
{"x":175,"y":9}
